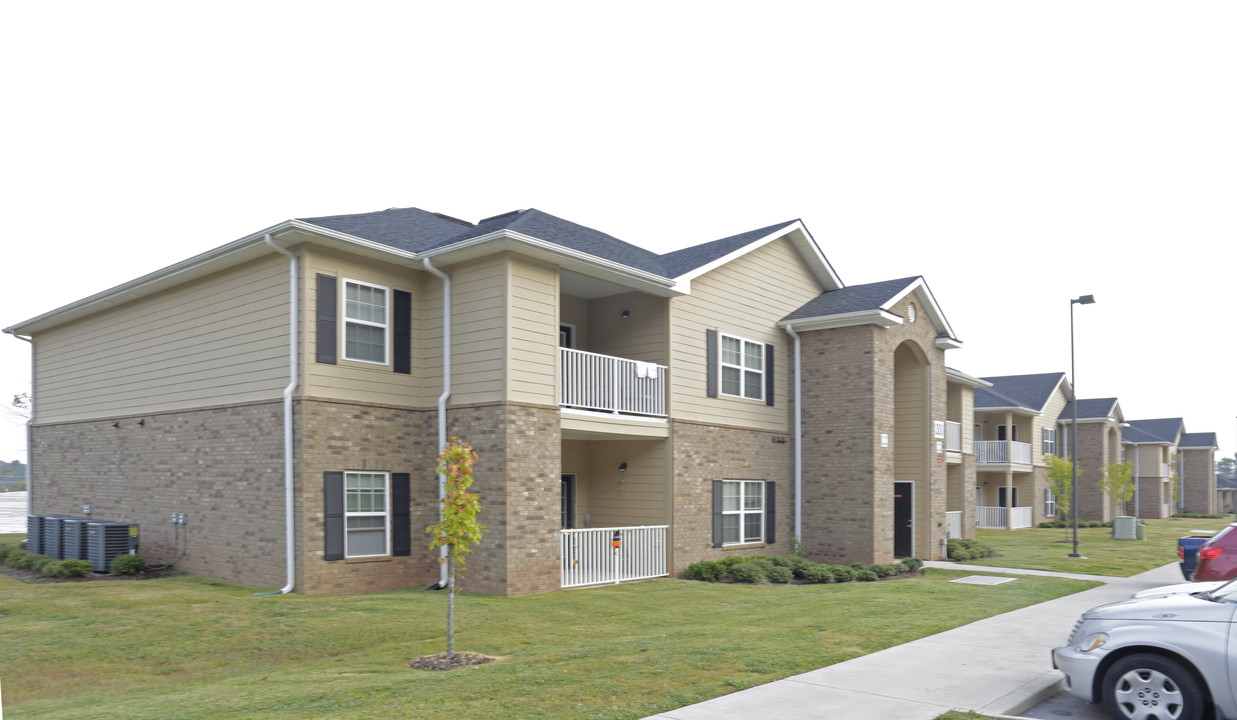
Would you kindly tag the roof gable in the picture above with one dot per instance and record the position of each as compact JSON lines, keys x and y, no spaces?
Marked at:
{"x":1198,"y":440}
{"x":1166,"y":431}
{"x":1093,"y":409}
{"x":872,"y":303}
{"x":1031,"y":392}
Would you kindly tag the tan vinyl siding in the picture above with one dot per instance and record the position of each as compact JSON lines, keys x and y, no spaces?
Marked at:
{"x":640,"y":336}
{"x":216,"y":341}
{"x":360,"y":381}
{"x":479,"y":310}
{"x":611,"y":498}
{"x":532,"y":354}
{"x":1052,"y":411}
{"x":745,"y":298}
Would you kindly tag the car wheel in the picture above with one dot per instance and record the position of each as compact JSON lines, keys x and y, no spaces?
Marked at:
{"x":1151,"y":687}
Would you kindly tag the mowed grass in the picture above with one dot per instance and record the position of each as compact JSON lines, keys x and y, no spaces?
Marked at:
{"x":186,"y":647}
{"x":1048,"y":548}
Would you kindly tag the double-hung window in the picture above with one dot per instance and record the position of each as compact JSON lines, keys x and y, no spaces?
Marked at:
{"x":366,"y":513}
{"x":365,"y":322}
{"x":1050,"y":502}
{"x":742,"y":368}
{"x":1050,"y":441}
{"x":743,"y":511}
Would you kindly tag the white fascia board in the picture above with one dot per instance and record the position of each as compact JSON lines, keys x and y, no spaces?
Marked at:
{"x":933,"y":308}
{"x":948,"y":343}
{"x":1013,"y":408}
{"x":563,"y":257}
{"x":799,"y":236}
{"x":961,"y":378}
{"x":879,"y":318}
{"x":1198,"y":447}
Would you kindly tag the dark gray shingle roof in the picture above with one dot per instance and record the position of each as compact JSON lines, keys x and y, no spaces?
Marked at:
{"x":856,"y":298}
{"x":415,"y":230}
{"x":1160,"y":430}
{"x":1089,"y":408}
{"x":1028,"y":391}
{"x":1198,"y":440}
{"x":1224,"y":481}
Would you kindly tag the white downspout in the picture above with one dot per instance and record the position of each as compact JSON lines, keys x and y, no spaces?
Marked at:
{"x":446,"y":393}
{"x":29,"y":434}
{"x":798,"y":435}
{"x":294,"y":374}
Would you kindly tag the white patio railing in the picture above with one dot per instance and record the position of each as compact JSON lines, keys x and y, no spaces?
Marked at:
{"x":611,"y":384}
{"x":991,"y":517}
{"x":590,"y":557}
{"x":953,"y":436}
{"x":1000,"y":452}
{"x":1167,"y":509}
{"x":953,"y":523}
{"x":1166,"y":470}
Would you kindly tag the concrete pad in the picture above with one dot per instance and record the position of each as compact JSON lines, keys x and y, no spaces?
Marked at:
{"x":792,"y":700}
{"x":983,"y":580}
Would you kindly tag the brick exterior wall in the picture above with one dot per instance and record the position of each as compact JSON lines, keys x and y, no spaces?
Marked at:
{"x":337,"y":436}
{"x":704,"y":453}
{"x":222,"y":466}
{"x":848,"y":403}
{"x":1095,"y":452}
{"x":1200,"y":481}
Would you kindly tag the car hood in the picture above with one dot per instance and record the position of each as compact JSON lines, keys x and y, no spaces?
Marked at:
{"x":1178,"y":589}
{"x":1179,"y":607}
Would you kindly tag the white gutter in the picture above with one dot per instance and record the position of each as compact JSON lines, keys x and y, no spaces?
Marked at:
{"x":294,"y":374}
{"x":790,"y":330}
{"x":29,"y":429}
{"x":446,"y":393}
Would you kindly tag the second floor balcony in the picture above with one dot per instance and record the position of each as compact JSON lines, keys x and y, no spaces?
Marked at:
{"x":1002,"y":452}
{"x":604,"y":383}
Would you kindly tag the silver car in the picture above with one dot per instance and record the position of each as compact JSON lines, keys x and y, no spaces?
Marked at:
{"x":1164,"y":654}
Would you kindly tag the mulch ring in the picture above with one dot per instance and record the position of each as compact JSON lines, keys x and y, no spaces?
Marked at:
{"x":442,"y":662}
{"x":30,"y":576}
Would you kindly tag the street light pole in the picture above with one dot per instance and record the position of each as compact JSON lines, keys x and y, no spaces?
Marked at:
{"x":1081,"y":300}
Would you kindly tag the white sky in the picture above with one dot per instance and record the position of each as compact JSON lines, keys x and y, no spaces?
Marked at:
{"x":1016,"y":155}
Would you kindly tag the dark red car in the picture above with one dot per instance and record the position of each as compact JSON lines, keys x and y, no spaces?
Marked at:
{"x":1217,"y":558}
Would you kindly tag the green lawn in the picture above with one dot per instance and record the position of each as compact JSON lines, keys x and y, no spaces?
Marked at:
{"x":186,"y":647}
{"x":1048,"y":548}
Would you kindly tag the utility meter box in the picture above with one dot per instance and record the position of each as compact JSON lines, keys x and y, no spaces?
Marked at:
{"x":1125,"y":527}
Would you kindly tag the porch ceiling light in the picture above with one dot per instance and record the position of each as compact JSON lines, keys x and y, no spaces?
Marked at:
{"x":623,"y":467}
{"x":626,"y":314}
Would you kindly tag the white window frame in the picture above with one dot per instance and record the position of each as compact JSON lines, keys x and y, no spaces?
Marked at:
{"x":742,"y":368}
{"x":385,"y":514}
{"x":748,"y":489}
{"x":1050,"y":503}
{"x":1049,"y":446}
{"x":385,"y":325}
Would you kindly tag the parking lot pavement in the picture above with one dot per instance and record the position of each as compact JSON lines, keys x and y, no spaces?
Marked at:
{"x":13,"y":512}
{"x":1064,"y":705}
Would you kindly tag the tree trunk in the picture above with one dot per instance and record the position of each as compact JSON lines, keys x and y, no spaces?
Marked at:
{"x":450,"y":601}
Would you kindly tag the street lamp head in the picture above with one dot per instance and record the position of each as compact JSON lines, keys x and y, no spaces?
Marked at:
{"x":1084,"y":300}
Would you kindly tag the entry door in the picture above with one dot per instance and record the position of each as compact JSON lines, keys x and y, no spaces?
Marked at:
{"x":903,"y":519}
{"x":569,"y":502}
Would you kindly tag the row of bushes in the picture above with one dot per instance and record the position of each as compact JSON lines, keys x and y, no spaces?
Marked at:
{"x":961,"y":549}
{"x":760,"y":569}
{"x":1199,"y":516}
{"x":12,"y":555}
{"x":1069,"y":523}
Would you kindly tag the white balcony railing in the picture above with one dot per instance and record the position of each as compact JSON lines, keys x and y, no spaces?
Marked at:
{"x":611,"y":384}
{"x":1165,"y":470}
{"x":589,"y":557}
{"x":990,"y":517}
{"x":1000,"y":452}
{"x":1167,"y":509}
{"x":953,"y":523}
{"x":953,"y":436}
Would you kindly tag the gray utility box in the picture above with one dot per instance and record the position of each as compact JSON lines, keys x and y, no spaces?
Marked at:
{"x":1125,"y":527}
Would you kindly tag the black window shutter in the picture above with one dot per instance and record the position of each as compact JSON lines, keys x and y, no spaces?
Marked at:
{"x":333,"y":509}
{"x":327,"y":324}
{"x":717,"y":513}
{"x":401,"y":344}
{"x":769,"y":374}
{"x":710,"y":338}
{"x":401,"y":514}
{"x":770,"y":512}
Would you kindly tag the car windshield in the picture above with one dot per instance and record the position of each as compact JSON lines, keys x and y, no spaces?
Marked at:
{"x":1226,"y":592}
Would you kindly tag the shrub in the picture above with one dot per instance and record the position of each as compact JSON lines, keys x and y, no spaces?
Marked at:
{"x":912,"y":563}
{"x":779,"y":574}
{"x":842,"y":574}
{"x":5,"y":549}
{"x":858,"y":566}
{"x":777,"y":561}
{"x":127,"y":565}
{"x":962,"y":549}
{"x":747,"y":572}
{"x":816,"y":573}
{"x":73,"y":568}
{"x":706,"y":570}
{"x":799,"y":564}
{"x":731,"y":561}
{"x":21,"y":559}
{"x":886,"y":570}
{"x":865,"y":575}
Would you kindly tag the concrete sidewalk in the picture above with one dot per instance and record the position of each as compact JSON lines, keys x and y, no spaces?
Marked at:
{"x":997,"y":666}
